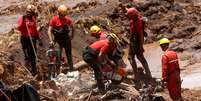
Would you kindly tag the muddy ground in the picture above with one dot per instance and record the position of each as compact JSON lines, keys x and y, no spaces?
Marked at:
{"x":179,"y":21}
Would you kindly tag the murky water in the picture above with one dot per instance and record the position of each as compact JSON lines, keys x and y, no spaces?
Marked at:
{"x":8,"y":22}
{"x":192,"y":81}
{"x":153,"y":55}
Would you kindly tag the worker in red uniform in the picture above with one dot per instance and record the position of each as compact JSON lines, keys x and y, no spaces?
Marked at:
{"x":97,"y":33}
{"x":136,"y":37}
{"x":171,"y":71}
{"x":96,"y":53}
{"x":61,"y":31}
{"x":116,"y":55}
{"x":29,"y":36}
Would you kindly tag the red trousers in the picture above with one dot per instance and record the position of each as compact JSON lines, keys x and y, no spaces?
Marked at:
{"x":174,"y":86}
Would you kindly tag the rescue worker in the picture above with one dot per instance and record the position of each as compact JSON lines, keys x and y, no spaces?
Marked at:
{"x":96,"y":53}
{"x":116,"y":55}
{"x":61,"y":27}
{"x":29,"y":36}
{"x":97,"y":33}
{"x":171,"y":70}
{"x":136,"y":37}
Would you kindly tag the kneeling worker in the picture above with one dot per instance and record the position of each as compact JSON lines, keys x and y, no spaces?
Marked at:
{"x":96,"y":53}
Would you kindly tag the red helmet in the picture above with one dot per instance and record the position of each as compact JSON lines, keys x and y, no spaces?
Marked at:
{"x":132,"y":11}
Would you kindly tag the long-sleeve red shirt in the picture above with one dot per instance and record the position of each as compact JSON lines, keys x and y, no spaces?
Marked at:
{"x":136,"y":26}
{"x":27,"y":27}
{"x":171,"y":74}
{"x":170,"y":65}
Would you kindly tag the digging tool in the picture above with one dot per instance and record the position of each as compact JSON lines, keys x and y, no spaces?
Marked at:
{"x":33,"y":47}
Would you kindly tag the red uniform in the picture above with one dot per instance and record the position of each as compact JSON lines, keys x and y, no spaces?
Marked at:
{"x":100,"y":46}
{"x":90,"y":57}
{"x":136,"y":42}
{"x":171,"y":74}
{"x":60,"y":29}
{"x":136,"y":26}
{"x":27,"y":26}
{"x":57,"y":23}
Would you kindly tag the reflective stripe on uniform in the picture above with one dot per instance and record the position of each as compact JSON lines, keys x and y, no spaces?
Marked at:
{"x":173,"y":61}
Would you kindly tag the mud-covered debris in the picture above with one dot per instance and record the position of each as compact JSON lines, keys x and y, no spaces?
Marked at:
{"x":50,"y":84}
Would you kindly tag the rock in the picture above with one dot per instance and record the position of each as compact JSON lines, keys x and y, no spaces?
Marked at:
{"x":50,"y":93}
{"x":185,"y":56}
{"x":11,"y":67}
{"x":190,"y":29}
{"x":177,"y":7}
{"x":80,"y":65}
{"x":151,"y":11}
{"x":35,"y":84}
{"x":50,"y":84}
{"x":197,"y":46}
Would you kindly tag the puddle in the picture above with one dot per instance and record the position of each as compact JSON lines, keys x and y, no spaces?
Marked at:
{"x":192,"y":81}
{"x":153,"y":55}
{"x":8,"y":22}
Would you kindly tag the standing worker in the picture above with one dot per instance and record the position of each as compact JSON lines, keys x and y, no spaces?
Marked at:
{"x":96,"y":53}
{"x":171,"y":71}
{"x":97,"y":33}
{"x":29,"y":36}
{"x":61,"y":26}
{"x":136,"y":37}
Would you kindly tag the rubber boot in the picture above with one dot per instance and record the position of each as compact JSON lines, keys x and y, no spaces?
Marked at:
{"x":100,"y":87}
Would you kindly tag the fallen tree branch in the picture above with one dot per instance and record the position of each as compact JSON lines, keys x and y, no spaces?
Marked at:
{"x":89,"y":97}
